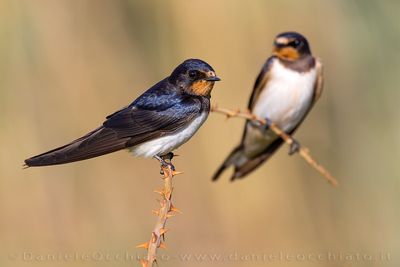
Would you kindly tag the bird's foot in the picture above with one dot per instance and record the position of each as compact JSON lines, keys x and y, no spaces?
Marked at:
{"x":164,"y":163}
{"x":168,"y":156}
{"x":294,"y":147}
{"x":268,"y":123}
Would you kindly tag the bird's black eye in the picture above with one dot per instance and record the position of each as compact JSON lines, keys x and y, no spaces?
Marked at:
{"x":295,"y":43}
{"x":192,"y":73}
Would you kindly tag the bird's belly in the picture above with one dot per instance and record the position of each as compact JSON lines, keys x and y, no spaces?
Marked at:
{"x":168,"y":143}
{"x":257,"y":140}
{"x":286,"y":97}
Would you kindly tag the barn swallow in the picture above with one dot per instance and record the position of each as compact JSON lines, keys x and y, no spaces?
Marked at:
{"x":287,"y":87}
{"x":163,"y":118}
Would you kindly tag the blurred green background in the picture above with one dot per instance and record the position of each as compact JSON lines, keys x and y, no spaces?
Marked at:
{"x":65,"y":65}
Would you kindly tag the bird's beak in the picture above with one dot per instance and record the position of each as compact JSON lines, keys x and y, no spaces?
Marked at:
{"x":212,"y":79}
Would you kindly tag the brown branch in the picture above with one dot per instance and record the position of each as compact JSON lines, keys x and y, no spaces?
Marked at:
{"x":165,"y":212}
{"x":303,"y":151}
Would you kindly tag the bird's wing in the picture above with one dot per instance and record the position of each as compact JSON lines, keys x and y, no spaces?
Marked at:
{"x":141,"y":124}
{"x":260,"y":83}
{"x":319,"y":83}
{"x":127,"y":127}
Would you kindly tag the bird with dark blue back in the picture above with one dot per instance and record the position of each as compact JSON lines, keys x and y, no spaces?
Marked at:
{"x":163,"y":118}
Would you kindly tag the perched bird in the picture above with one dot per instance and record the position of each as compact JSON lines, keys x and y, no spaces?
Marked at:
{"x":159,"y":121}
{"x":287,"y":87}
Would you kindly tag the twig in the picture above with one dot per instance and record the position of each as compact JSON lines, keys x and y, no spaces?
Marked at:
{"x":165,"y":212}
{"x":303,"y":151}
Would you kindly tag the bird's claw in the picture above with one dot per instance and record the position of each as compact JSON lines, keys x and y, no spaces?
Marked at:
{"x":294,"y":147}
{"x":164,"y":163}
{"x":268,"y":123}
{"x":168,"y":156}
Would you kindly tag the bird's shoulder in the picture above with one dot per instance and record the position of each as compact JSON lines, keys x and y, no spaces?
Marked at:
{"x":160,"y":96}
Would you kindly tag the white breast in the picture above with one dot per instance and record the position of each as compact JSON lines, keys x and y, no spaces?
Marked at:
{"x":166,"y":144}
{"x":287,"y":96}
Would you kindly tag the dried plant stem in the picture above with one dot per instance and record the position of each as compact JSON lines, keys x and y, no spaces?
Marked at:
{"x":165,"y":212}
{"x":303,"y":151}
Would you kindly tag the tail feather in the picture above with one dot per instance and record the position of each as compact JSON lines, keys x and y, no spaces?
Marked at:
{"x":231,"y":159}
{"x":241,"y":170}
{"x":96,"y":143}
{"x":244,"y":165}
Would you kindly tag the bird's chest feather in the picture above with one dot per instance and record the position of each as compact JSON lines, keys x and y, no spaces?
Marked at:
{"x":163,"y":145}
{"x":286,"y":96}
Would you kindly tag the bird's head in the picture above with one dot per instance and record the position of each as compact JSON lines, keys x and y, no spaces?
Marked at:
{"x":291,"y":46}
{"x":195,"y":77}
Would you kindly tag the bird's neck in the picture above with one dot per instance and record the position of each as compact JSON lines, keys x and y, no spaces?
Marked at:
{"x":201,"y":88}
{"x":302,"y":64}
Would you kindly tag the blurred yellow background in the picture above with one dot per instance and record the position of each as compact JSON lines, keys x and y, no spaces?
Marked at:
{"x":65,"y":65}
